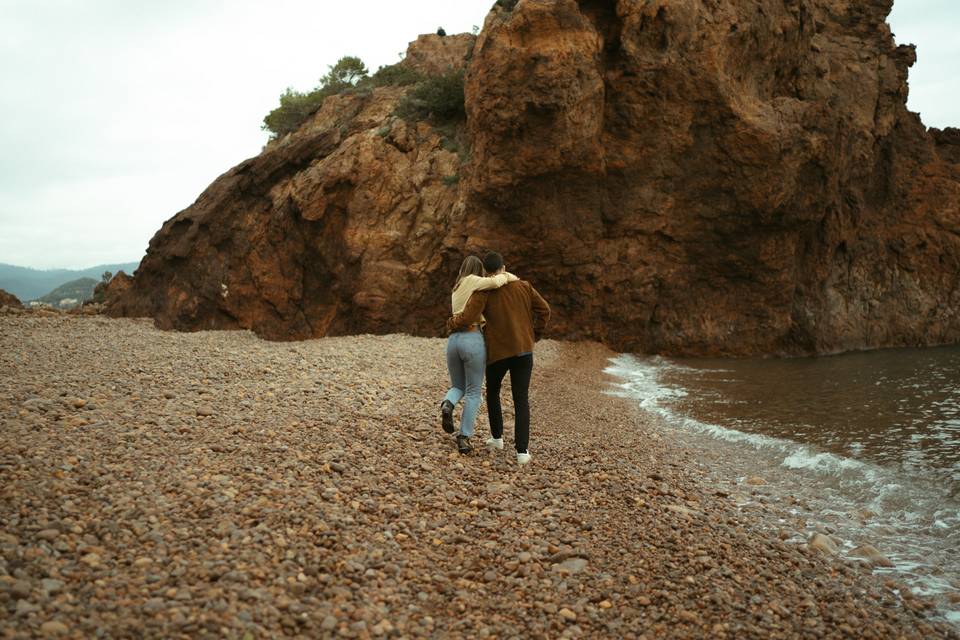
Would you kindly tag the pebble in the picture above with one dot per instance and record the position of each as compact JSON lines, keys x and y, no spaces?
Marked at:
{"x":51,"y":585}
{"x":321,"y":498}
{"x":329,"y":623}
{"x":872,"y":555}
{"x":823,"y":544}
{"x":153,"y":605}
{"x":571,"y":565}
{"x":21,"y":589}
{"x":54,"y":628}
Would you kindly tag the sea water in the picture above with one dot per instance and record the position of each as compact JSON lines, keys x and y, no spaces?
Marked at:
{"x":865,"y":445}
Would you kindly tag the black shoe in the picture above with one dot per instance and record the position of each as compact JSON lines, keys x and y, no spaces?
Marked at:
{"x":446,"y":416}
{"x":463,"y":444}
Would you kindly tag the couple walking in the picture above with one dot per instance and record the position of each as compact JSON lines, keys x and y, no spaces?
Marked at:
{"x":497,"y":318}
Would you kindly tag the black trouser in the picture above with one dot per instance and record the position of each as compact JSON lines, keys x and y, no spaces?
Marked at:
{"x":520,"y":368}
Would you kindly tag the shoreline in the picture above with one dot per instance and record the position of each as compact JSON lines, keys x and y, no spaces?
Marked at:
{"x":217,"y":484}
{"x":801,"y":489}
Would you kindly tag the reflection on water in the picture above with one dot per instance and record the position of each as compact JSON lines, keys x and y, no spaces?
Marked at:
{"x":869,"y":442}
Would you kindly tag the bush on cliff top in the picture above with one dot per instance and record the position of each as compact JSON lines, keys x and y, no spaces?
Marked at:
{"x":295,"y":107}
{"x":350,"y":73}
{"x":394,"y":75}
{"x":438,"y":98}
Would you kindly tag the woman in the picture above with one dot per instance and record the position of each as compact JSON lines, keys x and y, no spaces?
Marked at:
{"x":467,"y":352}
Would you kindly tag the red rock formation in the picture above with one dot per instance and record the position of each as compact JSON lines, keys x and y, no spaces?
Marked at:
{"x":682,"y":176}
{"x":9,"y":300}
{"x":434,"y":55}
{"x":337,"y":228}
{"x":116,"y":288}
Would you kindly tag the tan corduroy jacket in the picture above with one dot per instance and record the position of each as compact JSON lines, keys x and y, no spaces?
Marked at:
{"x":516,"y":317}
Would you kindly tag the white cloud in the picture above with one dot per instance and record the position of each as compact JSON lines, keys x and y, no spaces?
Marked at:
{"x":115,"y":114}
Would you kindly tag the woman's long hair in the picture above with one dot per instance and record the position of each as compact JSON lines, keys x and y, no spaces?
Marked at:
{"x":472,"y":266}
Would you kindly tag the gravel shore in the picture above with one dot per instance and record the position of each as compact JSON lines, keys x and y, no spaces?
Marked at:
{"x":170,"y":485}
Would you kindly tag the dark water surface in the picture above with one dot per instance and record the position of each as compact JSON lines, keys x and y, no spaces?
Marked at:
{"x":874,"y":433}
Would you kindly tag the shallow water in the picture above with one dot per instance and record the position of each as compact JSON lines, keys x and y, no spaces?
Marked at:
{"x":869,"y":441}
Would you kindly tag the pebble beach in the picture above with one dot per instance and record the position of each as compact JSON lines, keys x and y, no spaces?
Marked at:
{"x":169,"y":485}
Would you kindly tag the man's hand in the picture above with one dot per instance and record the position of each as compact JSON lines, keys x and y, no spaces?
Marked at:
{"x":471,"y":313}
{"x":452,"y":323}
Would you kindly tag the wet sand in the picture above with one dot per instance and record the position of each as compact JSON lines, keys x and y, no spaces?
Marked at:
{"x":197,"y":485}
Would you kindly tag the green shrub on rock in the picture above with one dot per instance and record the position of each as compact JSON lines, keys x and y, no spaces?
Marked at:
{"x":439,"y":98}
{"x":295,"y":107}
{"x":395,"y":75}
{"x":347,"y":73}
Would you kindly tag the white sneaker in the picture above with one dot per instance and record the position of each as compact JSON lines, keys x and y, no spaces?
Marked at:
{"x":495,"y":443}
{"x":523,"y":458}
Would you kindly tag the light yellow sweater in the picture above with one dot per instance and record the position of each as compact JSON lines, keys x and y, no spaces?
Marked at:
{"x":477,"y":283}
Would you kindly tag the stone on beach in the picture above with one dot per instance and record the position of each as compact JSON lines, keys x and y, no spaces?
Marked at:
{"x":571,"y":565}
{"x":53,"y":628}
{"x":872,"y":555}
{"x":823,"y":543}
{"x":320,"y":513}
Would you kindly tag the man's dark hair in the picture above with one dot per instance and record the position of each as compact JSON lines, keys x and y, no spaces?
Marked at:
{"x":492,"y":262}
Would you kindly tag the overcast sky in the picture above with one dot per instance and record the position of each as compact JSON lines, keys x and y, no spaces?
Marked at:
{"x":116,"y":114}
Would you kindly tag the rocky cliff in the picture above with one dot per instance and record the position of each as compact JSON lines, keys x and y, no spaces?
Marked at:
{"x":719,"y":177}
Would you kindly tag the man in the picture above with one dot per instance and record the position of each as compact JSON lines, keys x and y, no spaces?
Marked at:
{"x":516,"y":315}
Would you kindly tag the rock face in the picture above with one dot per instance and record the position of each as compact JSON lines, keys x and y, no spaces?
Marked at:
{"x":118,"y":285}
{"x":433,"y":55}
{"x":682,"y":176}
{"x":337,"y":228}
{"x":9,"y":300}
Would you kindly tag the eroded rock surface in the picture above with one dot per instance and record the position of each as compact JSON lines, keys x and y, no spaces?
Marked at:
{"x":434,"y":55}
{"x":685,"y":177}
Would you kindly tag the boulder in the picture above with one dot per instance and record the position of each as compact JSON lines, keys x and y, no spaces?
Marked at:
{"x":9,"y":300}
{"x":822,"y":543}
{"x":105,"y":293}
{"x":872,"y":555}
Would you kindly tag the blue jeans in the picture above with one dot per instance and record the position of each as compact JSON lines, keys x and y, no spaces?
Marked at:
{"x":466,"y":361}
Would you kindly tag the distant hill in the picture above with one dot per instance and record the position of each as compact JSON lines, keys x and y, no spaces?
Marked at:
{"x":30,"y":284}
{"x":80,"y":290}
